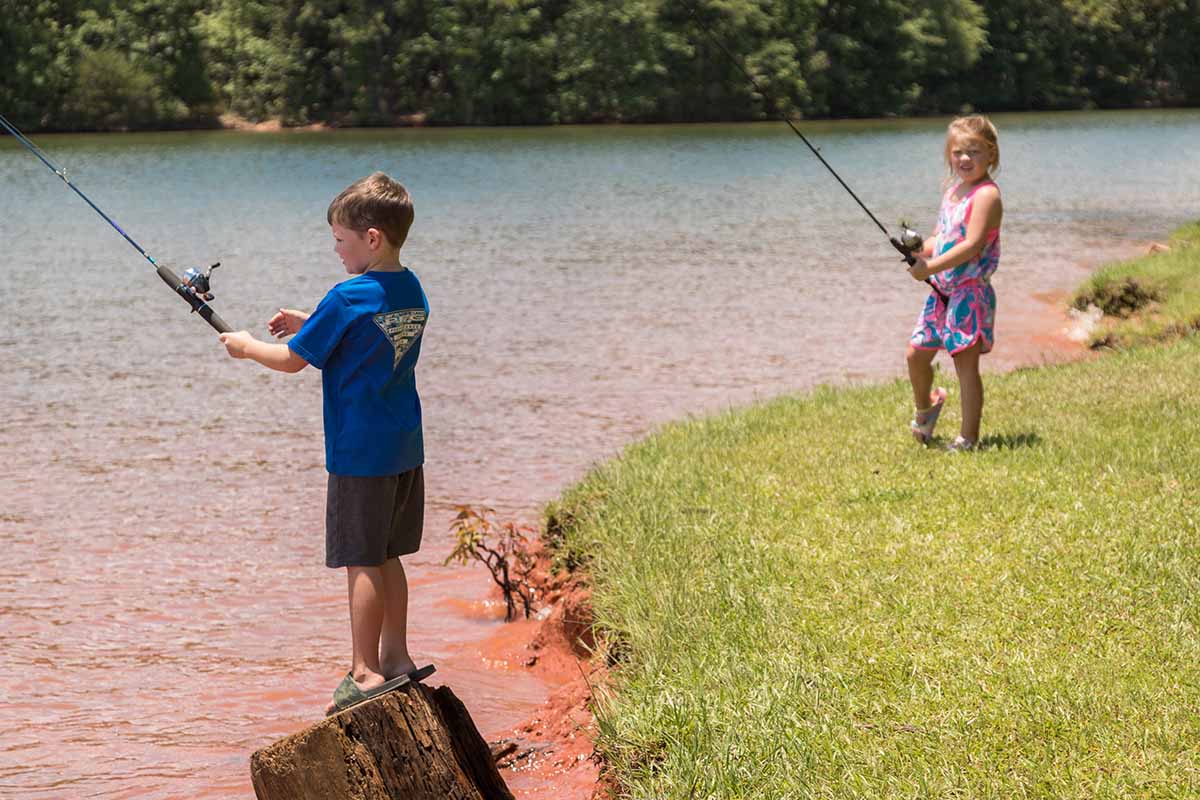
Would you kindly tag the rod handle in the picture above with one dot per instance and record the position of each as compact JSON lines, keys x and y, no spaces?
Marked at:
{"x":214,"y":319}
{"x":199,"y":306}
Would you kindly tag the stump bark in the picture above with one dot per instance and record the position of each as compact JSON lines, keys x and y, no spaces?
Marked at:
{"x":415,"y":743}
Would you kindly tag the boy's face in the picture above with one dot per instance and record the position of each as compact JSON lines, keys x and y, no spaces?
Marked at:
{"x":355,"y":248}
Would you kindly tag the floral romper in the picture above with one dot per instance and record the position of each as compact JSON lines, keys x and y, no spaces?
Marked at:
{"x":970,"y":314}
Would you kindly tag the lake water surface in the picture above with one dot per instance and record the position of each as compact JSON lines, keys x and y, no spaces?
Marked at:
{"x":164,"y":608}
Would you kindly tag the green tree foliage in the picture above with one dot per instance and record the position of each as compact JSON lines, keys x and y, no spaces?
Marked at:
{"x":894,"y":57}
{"x":610,"y":62}
{"x":769,"y":38}
{"x":496,"y":62}
{"x":104,"y":64}
{"x":35,"y":62}
{"x":1124,"y":49}
{"x":111,"y":92}
{"x":1025,"y":63}
{"x":250,"y":68}
{"x":154,"y":63}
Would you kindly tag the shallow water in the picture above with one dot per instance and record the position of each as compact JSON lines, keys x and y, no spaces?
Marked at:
{"x":164,"y":610}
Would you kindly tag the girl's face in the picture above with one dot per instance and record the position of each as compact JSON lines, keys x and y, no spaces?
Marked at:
{"x":969,"y":157}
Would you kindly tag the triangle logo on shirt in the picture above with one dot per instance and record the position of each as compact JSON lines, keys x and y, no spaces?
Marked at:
{"x":402,"y":329}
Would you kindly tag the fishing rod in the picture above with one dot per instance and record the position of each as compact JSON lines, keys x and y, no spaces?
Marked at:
{"x":908,"y":241}
{"x":194,"y":287}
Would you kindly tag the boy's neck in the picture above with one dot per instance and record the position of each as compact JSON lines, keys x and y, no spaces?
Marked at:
{"x":386,"y":262}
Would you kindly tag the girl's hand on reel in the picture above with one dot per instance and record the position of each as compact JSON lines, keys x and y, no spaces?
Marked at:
{"x":920,"y":268}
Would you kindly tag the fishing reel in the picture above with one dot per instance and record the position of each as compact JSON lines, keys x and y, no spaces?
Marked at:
{"x":908,"y":242}
{"x":197,"y":283}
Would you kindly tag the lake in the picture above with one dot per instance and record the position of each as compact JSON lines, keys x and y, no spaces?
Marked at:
{"x":164,"y":608}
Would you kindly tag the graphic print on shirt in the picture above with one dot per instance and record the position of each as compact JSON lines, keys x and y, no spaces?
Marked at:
{"x":402,"y":329}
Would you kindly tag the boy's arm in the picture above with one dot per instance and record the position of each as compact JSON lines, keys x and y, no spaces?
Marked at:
{"x":273,"y":356}
{"x":286,"y":321}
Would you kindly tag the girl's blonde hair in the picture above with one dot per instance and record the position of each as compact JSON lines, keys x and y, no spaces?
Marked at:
{"x":973,"y":126}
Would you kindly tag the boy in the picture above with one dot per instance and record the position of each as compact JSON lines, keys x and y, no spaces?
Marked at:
{"x":365,"y":337}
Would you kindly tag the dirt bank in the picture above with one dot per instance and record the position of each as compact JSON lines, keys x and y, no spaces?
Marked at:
{"x":551,"y":755}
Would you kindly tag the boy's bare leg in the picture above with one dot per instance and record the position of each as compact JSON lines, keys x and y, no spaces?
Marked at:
{"x":966,"y":364}
{"x":366,"y":590}
{"x":920,"y":375}
{"x":378,"y":623}
{"x":394,"y":659}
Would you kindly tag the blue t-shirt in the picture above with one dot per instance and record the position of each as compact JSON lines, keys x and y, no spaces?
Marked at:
{"x":365,"y":337}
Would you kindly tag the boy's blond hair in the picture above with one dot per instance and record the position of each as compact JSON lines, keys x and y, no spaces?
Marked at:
{"x":974,"y":126}
{"x":375,"y":201}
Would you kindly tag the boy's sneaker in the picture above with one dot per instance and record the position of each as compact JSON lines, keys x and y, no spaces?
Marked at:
{"x":923,"y":422}
{"x":960,"y":445}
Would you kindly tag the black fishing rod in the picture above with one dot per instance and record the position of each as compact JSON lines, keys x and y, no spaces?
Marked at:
{"x":908,"y":242}
{"x":194,"y":287}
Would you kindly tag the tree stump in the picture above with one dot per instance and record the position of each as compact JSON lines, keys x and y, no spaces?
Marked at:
{"x":415,"y":743}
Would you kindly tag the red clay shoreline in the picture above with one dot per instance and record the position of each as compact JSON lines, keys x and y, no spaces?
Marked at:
{"x":552,"y":754}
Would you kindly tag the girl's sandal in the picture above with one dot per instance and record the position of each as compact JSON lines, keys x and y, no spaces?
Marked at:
{"x":923,"y":422}
{"x":960,"y":445}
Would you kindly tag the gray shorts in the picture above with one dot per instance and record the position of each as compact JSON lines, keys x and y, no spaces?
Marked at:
{"x":369,"y":520}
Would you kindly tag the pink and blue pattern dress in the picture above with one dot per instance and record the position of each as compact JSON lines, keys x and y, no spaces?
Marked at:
{"x":969,"y":315}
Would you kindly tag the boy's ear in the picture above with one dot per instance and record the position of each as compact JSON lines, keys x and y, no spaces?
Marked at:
{"x":374,"y":238}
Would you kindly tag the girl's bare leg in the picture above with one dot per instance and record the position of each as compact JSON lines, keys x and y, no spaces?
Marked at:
{"x":966,"y":364}
{"x":920,"y":375}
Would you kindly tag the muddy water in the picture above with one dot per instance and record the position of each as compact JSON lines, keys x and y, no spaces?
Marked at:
{"x":164,"y":610}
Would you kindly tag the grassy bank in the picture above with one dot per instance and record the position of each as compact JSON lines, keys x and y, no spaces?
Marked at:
{"x":804,"y":603}
{"x":1150,"y":299}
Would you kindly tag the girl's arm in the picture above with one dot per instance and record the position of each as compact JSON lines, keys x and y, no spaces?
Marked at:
{"x":273,"y":356}
{"x":986,"y":214}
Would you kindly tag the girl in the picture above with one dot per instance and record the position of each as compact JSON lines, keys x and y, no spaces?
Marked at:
{"x":960,"y":258}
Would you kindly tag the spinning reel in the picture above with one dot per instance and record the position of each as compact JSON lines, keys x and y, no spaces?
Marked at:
{"x":908,"y":242}
{"x":197,"y":283}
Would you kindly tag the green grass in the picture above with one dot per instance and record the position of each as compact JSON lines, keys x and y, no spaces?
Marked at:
{"x":803,"y":603}
{"x":1155,"y":298}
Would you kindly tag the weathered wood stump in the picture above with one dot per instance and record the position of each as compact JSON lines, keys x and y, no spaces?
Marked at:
{"x":416,"y":743}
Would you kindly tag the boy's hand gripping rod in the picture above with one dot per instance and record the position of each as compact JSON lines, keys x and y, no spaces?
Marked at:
{"x":193,"y":287}
{"x":909,"y":241}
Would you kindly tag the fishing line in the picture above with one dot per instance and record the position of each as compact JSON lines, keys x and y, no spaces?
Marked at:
{"x":193,"y":287}
{"x":909,"y":240}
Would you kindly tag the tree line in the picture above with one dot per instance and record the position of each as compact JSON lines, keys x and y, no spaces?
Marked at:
{"x":127,"y":64}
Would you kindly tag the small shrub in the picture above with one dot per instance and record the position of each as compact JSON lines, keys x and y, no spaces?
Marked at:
{"x":502,"y":549}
